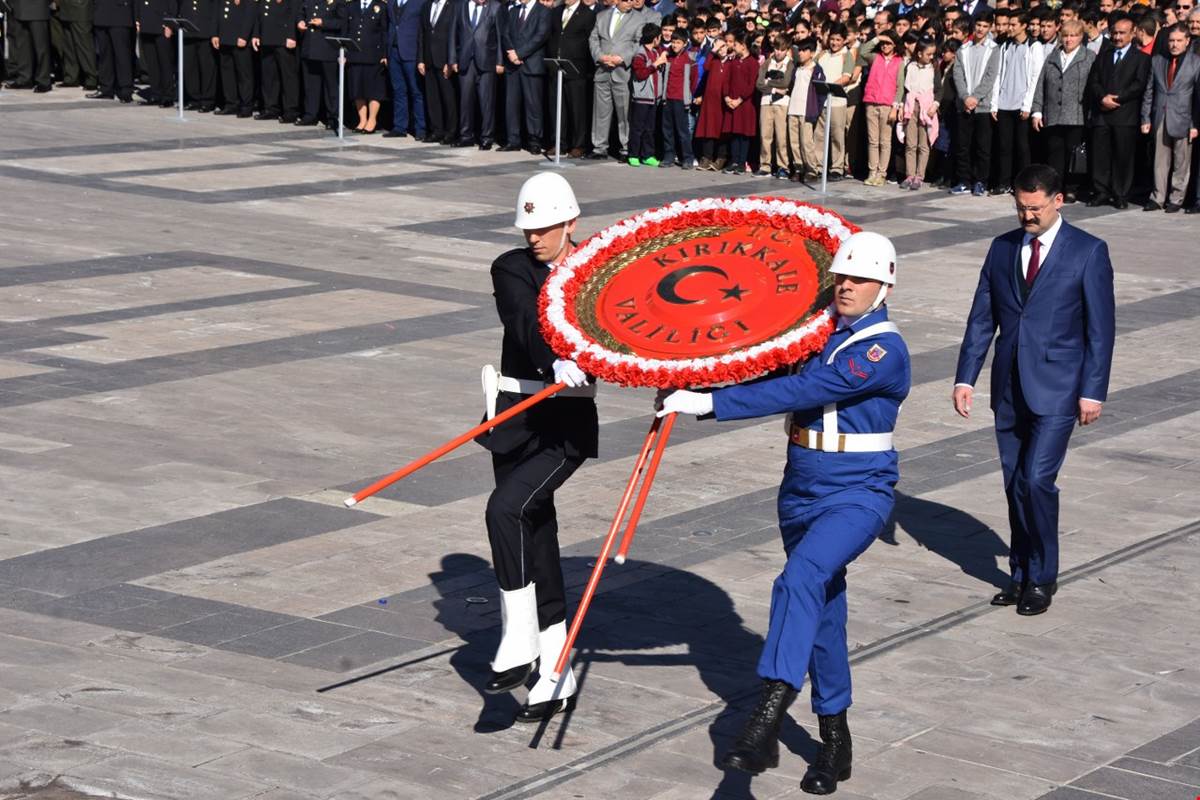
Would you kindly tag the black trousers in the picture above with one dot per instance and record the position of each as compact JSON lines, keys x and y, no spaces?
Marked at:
{"x":974,"y":148}
{"x":524,"y":102}
{"x":320,"y":82}
{"x":1012,"y":146}
{"x":199,"y":69}
{"x":642,"y":124}
{"x":1111,"y":160}
{"x":576,"y":132}
{"x":115,"y":64}
{"x":523,"y":527}
{"x":442,"y":120}
{"x":31,"y":43}
{"x":281,"y":80}
{"x":1061,"y":141}
{"x":78,"y":53}
{"x":158,"y":59}
{"x":237,"y":76}
{"x":477,"y":89}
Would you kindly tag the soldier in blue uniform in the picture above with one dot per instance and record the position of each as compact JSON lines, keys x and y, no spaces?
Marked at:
{"x":835,"y":498}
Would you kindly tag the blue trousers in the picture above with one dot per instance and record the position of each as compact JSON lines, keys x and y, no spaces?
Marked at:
{"x":1032,"y":450}
{"x":807,"y":634}
{"x":406,"y":94}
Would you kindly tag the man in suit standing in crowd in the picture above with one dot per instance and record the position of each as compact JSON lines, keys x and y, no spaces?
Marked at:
{"x":613,"y":43}
{"x":275,"y":39}
{"x":30,"y":37}
{"x":319,"y":59}
{"x":78,"y":50}
{"x":1048,"y":288}
{"x":433,"y":48}
{"x":155,"y":50}
{"x":235,"y":27}
{"x":1169,"y":109}
{"x":570,"y":29}
{"x":113,"y":27}
{"x":408,"y":95}
{"x":476,"y":47}
{"x":1116,"y":84}
{"x":199,"y":57}
{"x":525,"y":34}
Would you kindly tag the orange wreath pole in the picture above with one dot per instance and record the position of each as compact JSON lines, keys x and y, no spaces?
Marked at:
{"x":589,"y":592}
{"x":458,"y":441}
{"x":659,"y":448}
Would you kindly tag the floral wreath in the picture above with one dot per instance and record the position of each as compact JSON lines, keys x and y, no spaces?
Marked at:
{"x":561,"y":325}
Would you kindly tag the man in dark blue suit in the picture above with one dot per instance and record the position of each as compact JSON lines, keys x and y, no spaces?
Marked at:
{"x":1048,"y":288}
{"x":477,"y":51}
{"x":408,"y":98}
{"x":525,"y":38}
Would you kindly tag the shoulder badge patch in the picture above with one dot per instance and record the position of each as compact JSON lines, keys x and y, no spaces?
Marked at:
{"x":876,"y":353}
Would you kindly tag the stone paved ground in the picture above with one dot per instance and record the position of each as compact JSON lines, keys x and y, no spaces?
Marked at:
{"x":210,"y":331}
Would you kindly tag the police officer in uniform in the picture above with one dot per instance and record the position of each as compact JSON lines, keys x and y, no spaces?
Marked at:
{"x":276,"y":40}
{"x":76,"y":47}
{"x":319,"y":58}
{"x":232,"y":41}
{"x":835,"y":499}
{"x":199,"y":57}
{"x":113,"y":28}
{"x":30,"y":37}
{"x":155,"y":41}
{"x":534,"y":454}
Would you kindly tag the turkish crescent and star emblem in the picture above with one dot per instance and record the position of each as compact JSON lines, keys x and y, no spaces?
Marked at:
{"x":876,"y":353}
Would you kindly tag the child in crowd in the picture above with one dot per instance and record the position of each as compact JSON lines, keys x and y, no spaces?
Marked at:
{"x":837,"y":62}
{"x":739,"y":120}
{"x":919,"y":120}
{"x":682,"y":79}
{"x":804,"y":109}
{"x":882,"y":96}
{"x":648,"y":67}
{"x":709,"y":121}
{"x":774,"y":79}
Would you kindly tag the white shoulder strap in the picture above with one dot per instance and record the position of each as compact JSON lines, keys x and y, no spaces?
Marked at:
{"x":829,"y":421}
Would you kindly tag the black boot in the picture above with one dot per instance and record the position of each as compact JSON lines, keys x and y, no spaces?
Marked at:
{"x":833,"y":762}
{"x":509,"y":679}
{"x":757,"y":748}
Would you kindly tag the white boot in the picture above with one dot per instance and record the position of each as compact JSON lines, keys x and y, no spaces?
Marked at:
{"x":551,"y":642}
{"x":519,"y":629}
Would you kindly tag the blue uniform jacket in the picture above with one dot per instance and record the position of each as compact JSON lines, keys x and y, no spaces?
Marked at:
{"x":404,"y":20}
{"x":868,"y":390}
{"x":1060,"y":338}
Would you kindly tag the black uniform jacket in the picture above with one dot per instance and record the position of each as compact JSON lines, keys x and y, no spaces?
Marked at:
{"x":517,"y":278}
{"x":276,"y":20}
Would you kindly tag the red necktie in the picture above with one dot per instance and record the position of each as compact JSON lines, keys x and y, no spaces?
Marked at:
{"x":1171,"y":72}
{"x":1035,"y":258}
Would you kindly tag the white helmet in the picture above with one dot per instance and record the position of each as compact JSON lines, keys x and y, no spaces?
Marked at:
{"x":866,"y":255}
{"x":545,"y":199}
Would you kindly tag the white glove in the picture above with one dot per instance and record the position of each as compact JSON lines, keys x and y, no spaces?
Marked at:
{"x":568,"y":372}
{"x":685,"y":402}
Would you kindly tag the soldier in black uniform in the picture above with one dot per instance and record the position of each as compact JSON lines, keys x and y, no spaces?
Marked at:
{"x":276,"y":39}
{"x":30,"y":38}
{"x":113,"y":26}
{"x":319,"y":58}
{"x":534,"y":454}
{"x":76,"y":48}
{"x":366,"y":77}
{"x":154,"y":47}
{"x":235,"y":25}
{"x":199,"y":57}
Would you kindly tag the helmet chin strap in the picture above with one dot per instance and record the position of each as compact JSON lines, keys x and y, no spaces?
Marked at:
{"x":879,"y":298}
{"x":564,"y":247}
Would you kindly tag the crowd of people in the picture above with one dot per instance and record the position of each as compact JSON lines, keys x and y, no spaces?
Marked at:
{"x":929,"y":92}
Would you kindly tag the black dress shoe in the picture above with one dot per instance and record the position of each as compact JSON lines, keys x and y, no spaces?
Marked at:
{"x":1010,"y":596}
{"x":508,"y":148}
{"x":245,"y":113}
{"x":71,"y":85}
{"x":191,"y":106}
{"x":165,"y":103}
{"x":757,"y":748}
{"x":1120,"y":205}
{"x":305,"y":122}
{"x":1036,"y":599}
{"x":1192,"y":209}
{"x":999,"y":190}
{"x":264,"y":115}
{"x":596,"y":155}
{"x":833,"y":762}
{"x":464,"y":143}
{"x":149,"y":101}
{"x":287,"y":119}
{"x":47,"y":87}
{"x":206,"y":108}
{"x":395,"y":133}
{"x":128,"y":99}
{"x":449,"y":139}
{"x":1151,"y":206}
{"x":18,"y":85}
{"x":543,"y":711}
{"x":509,"y":679}
{"x":486,"y":145}
{"x":98,"y":96}
{"x":1098,"y":200}
{"x":534,"y":150}
{"x":1172,"y":208}
{"x":428,"y":138}
{"x":225,"y":111}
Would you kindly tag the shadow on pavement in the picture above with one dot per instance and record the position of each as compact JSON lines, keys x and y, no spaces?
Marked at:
{"x":952,"y":534}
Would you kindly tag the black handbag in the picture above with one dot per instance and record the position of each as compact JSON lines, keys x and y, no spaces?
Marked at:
{"x":1079,"y":160}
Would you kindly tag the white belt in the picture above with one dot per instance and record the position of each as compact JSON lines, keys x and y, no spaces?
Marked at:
{"x":841,"y":442}
{"x":494,"y":383}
